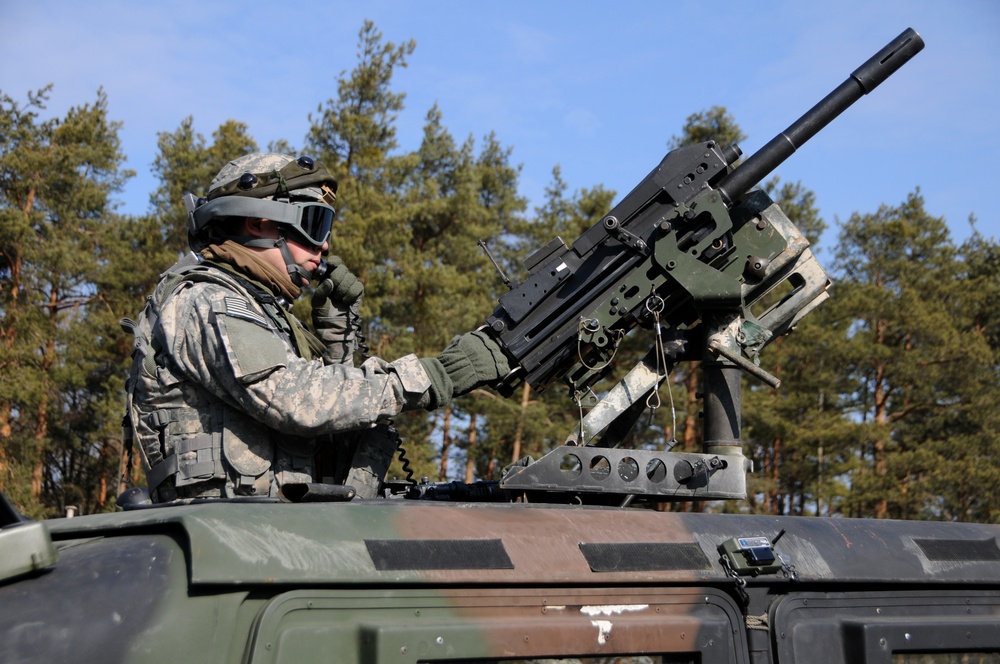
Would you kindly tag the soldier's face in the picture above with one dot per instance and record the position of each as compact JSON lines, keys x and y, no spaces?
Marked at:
{"x":304,"y":255}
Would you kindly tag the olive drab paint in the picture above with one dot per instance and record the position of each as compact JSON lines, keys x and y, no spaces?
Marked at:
{"x":410,"y":581}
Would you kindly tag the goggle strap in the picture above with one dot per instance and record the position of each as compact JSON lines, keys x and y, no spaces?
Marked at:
{"x":298,"y":274}
{"x":259,"y":208}
{"x":236,"y":206}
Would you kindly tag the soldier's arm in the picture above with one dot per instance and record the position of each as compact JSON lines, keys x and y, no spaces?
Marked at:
{"x":234,"y":351}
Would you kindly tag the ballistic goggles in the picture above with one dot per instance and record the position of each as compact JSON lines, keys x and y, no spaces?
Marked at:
{"x":310,"y":221}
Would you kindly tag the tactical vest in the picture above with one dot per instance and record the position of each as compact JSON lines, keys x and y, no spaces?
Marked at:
{"x":192,"y":443}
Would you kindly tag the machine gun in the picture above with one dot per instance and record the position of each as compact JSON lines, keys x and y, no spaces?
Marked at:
{"x":687,"y":253}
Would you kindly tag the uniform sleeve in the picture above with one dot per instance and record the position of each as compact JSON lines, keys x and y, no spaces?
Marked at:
{"x":226,"y":343}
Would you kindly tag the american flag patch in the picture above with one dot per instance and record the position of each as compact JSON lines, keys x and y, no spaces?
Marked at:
{"x":240,"y":308}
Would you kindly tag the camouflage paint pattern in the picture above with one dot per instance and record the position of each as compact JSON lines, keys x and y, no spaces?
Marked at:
{"x":409,"y":581}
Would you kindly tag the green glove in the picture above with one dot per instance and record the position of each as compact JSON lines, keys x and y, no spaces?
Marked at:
{"x":340,"y":286}
{"x":335,"y":307}
{"x":473,"y":360}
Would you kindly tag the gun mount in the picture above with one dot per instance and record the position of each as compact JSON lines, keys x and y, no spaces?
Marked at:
{"x":688,"y":253}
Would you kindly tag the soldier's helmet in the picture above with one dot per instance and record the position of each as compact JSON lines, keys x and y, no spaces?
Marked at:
{"x":297,"y":194}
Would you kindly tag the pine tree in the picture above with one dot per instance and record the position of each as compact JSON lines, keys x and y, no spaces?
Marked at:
{"x":960,"y":439}
{"x":910,"y":356}
{"x":409,"y":226}
{"x":714,"y":124}
{"x":57,"y":179}
{"x":793,"y":434}
{"x":184,"y":164}
{"x":355,"y":137}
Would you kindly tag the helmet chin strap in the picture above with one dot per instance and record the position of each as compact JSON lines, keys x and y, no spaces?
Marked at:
{"x":298,"y":274}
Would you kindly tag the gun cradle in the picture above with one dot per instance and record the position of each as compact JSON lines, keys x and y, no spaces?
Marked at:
{"x":565,"y":319}
{"x":705,"y":293}
{"x":698,"y":273}
{"x":677,"y":475}
{"x":741,"y":337}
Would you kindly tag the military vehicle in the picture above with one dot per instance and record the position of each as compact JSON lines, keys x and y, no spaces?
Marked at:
{"x":558,"y":561}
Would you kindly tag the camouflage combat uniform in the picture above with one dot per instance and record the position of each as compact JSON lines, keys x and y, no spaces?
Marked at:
{"x":225,"y":398}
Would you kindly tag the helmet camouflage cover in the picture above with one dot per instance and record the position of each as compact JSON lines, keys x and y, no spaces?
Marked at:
{"x":261,"y":175}
{"x":261,"y":185}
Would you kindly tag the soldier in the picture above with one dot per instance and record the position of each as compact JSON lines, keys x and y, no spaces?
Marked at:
{"x":229,"y":394}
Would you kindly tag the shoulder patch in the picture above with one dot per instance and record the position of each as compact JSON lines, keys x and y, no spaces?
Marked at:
{"x":254,"y":351}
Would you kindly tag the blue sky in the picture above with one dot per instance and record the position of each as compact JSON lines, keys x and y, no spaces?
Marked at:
{"x":598,"y":88}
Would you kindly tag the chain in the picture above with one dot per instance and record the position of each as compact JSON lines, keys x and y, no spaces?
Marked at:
{"x":788,"y":569}
{"x":579,"y":403}
{"x":741,"y":583}
{"x":654,"y":305}
{"x":653,"y":400}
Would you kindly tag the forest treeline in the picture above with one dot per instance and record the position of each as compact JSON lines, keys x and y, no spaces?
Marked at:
{"x":890,"y":391}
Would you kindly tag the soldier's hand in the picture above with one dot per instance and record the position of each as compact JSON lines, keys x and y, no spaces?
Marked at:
{"x":340,"y":287}
{"x":335,"y":304}
{"x":473,"y":360}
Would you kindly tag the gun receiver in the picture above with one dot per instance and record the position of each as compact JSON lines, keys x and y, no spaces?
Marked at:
{"x":688,"y":252}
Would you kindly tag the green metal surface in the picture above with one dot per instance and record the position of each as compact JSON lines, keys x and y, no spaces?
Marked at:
{"x":25,"y":548}
{"x":325,"y":544}
{"x":408,"y":581}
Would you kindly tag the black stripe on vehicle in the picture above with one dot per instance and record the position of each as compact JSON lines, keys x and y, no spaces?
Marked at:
{"x":438,"y":554}
{"x":644,"y":557}
{"x":949,"y":550}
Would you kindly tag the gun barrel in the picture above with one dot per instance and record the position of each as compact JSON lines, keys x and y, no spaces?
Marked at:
{"x":863,"y":80}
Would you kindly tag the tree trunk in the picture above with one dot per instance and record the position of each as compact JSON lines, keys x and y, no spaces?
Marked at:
{"x":772,"y":500}
{"x":445,"y":444}
{"x":7,"y":336}
{"x":519,"y":431}
{"x":108,"y":452}
{"x":881,"y":417}
{"x":691,"y":409}
{"x":470,"y":452}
